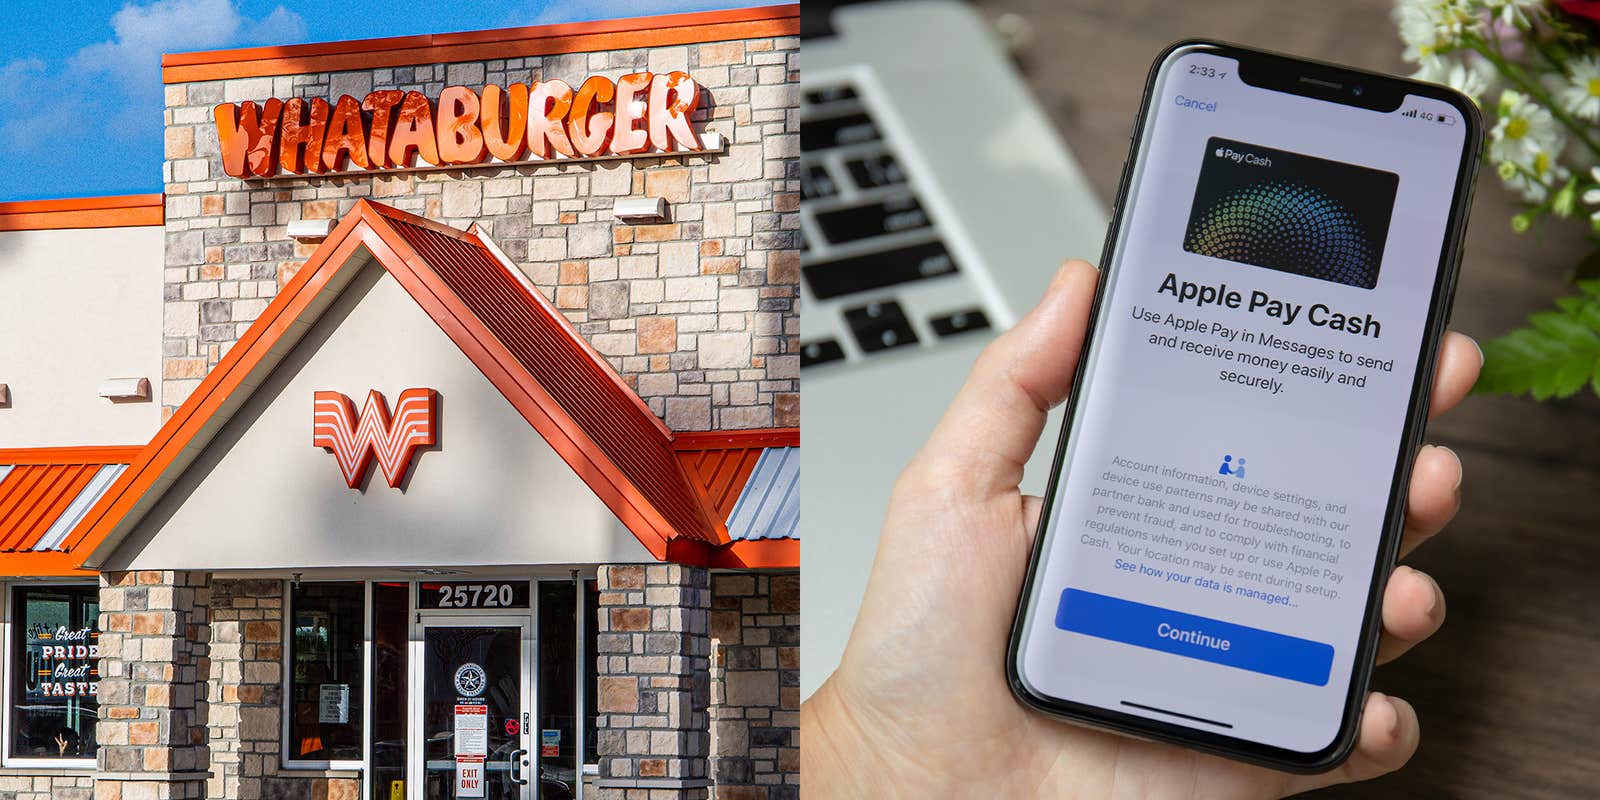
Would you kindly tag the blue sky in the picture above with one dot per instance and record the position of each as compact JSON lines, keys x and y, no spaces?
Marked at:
{"x":80,"y":113}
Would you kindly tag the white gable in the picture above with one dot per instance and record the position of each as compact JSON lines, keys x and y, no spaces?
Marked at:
{"x":491,"y":493}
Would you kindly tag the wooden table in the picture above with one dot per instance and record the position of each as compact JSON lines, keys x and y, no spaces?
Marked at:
{"x":1509,"y":691}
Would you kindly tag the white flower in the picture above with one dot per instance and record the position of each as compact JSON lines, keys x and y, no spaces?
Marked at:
{"x":1430,"y":28}
{"x":1534,"y":174}
{"x":1580,"y":93}
{"x":1472,"y":80}
{"x":1592,"y":197}
{"x":1516,"y":12}
{"x":1524,"y":129}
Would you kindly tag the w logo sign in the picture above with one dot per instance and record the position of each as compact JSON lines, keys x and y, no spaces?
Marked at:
{"x":355,"y":439}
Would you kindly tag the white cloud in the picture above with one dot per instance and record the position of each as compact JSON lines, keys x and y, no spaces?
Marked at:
{"x":115,"y":86}
{"x":144,"y":32}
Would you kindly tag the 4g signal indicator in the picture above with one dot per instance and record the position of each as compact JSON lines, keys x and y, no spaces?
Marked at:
{"x":1429,"y":116}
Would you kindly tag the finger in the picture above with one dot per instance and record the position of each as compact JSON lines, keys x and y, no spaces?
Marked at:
{"x":1459,"y":362}
{"x":1435,"y":495}
{"x":1388,"y":738}
{"x":994,"y":423}
{"x":1413,"y":610}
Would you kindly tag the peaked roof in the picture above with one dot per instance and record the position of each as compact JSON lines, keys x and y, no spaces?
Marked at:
{"x":526,"y":348}
{"x":44,"y":493}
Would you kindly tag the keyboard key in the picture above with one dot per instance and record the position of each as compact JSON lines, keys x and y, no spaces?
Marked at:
{"x":880,"y":326}
{"x":820,"y":352}
{"x":815,"y":182}
{"x":960,"y":322}
{"x":874,"y":171}
{"x":820,"y":134}
{"x":830,"y":94}
{"x":895,"y":215}
{"x":877,"y":270}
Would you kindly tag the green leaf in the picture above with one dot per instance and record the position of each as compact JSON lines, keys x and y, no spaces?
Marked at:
{"x":1556,"y":355}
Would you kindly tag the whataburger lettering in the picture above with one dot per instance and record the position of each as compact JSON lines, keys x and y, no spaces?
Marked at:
{"x":389,"y":129}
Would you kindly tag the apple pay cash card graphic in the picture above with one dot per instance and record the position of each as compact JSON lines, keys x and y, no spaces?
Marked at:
{"x":1290,"y":212}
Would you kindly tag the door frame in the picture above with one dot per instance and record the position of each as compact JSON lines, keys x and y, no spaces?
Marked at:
{"x":523,"y":618}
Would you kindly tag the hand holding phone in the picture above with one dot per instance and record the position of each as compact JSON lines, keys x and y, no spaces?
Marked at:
{"x":1229,"y":489}
{"x":919,"y":705}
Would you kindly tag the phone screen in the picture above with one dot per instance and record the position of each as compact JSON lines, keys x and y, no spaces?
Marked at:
{"x":1217,"y":521}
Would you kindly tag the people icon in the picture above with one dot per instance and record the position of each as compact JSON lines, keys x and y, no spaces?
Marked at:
{"x":1238,"y":469}
{"x":1230,"y":468}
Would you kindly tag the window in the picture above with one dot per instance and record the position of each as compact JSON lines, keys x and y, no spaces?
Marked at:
{"x":54,"y":668}
{"x":325,"y":663}
{"x":558,"y":682}
{"x":561,"y":676}
{"x":391,"y":629}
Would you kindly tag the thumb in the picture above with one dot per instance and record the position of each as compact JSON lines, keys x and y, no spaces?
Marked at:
{"x":994,"y":423}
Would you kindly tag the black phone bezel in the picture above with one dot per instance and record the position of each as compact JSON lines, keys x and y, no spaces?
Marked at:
{"x":1332,"y":83}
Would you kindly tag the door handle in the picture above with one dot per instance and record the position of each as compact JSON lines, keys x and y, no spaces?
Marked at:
{"x":516,"y":767}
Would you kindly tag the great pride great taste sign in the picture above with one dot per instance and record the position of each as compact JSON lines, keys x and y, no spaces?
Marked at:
{"x":638,"y":114}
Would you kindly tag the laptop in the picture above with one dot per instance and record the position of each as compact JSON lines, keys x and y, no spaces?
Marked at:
{"x":937,"y":202}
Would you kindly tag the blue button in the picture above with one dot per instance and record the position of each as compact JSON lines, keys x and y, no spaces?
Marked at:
{"x":1188,"y":635}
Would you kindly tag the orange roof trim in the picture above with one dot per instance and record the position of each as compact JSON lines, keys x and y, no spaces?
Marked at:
{"x":118,"y":211}
{"x":577,"y":37}
{"x":526,"y":348}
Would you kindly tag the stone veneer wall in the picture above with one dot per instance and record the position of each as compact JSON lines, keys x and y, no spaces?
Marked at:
{"x":46,"y":784}
{"x":653,"y":682}
{"x":245,"y":694}
{"x":755,"y":686}
{"x":154,"y":642}
{"x":698,"y":314}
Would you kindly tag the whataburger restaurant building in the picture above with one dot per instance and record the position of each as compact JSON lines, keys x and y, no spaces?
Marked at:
{"x":476,"y":472}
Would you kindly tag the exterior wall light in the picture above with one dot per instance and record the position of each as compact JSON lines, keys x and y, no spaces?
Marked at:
{"x":126,"y":390}
{"x":640,"y":210}
{"x":310,"y":230}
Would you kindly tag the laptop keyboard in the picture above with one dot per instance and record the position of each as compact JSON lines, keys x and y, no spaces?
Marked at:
{"x":869,"y":236}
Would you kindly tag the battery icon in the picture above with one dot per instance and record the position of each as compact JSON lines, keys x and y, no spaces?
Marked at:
{"x":1446,"y":119}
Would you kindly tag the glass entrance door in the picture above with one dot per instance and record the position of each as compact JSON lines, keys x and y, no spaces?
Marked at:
{"x":473,"y":713}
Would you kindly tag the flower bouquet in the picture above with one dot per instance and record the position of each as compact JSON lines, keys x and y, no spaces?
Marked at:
{"x":1533,"y":67}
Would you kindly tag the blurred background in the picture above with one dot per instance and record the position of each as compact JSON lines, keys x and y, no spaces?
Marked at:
{"x":1508,"y":691}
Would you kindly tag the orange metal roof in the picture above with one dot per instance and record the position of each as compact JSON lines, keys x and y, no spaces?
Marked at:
{"x":721,"y":461}
{"x":575,"y":37}
{"x":526,"y":348}
{"x":720,"y":464}
{"x":43,"y":493}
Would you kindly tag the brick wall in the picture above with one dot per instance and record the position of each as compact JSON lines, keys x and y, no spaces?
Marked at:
{"x":755,"y":686}
{"x":698,"y":314}
{"x":653,"y":682}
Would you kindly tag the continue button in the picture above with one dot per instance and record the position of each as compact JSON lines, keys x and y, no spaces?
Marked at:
{"x":1195,"y":637}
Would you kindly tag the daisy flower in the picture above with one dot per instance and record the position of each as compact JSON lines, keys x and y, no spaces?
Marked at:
{"x":1580,"y":93}
{"x":1524,"y":129}
{"x":1430,"y":28}
{"x":1534,"y":174}
{"x":1592,"y":197}
{"x":1516,"y":12}
{"x":1472,"y":80}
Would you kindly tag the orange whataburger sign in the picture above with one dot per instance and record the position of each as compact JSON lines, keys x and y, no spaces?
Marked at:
{"x":639,"y":114}
{"x":355,"y":439}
